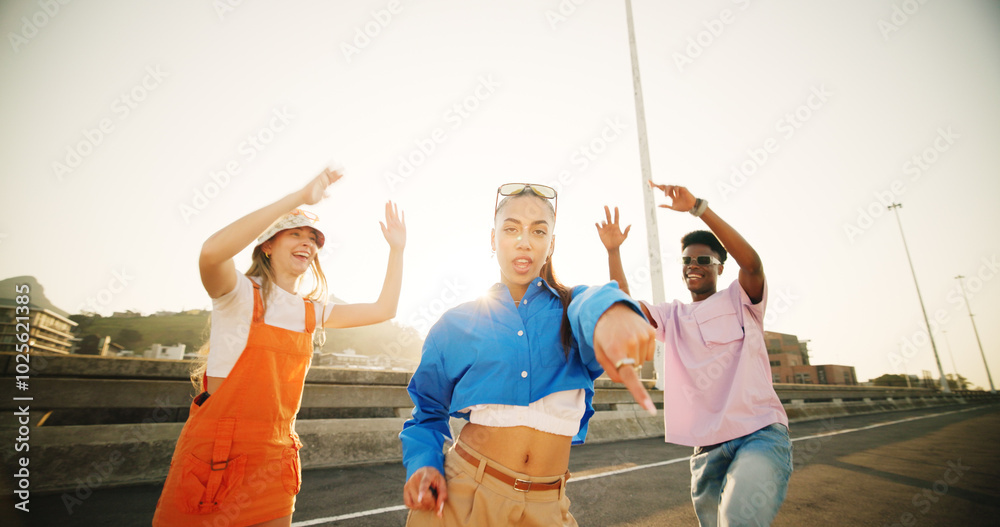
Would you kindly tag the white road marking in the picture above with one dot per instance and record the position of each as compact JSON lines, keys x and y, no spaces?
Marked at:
{"x":321,"y":521}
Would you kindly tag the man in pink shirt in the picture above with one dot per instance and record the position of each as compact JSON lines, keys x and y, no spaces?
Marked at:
{"x":717,"y":391}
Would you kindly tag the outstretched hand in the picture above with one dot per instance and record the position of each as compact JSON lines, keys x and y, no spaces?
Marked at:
{"x":622,"y":334}
{"x":681,"y":199}
{"x":611,"y":234}
{"x":426,"y":490}
{"x":315,"y":190}
{"x":394,"y":228}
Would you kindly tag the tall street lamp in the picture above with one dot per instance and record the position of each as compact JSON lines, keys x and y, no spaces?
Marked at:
{"x":961,"y":285}
{"x":944,"y":382}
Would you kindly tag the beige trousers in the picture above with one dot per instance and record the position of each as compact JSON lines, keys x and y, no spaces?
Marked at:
{"x":478,"y":499}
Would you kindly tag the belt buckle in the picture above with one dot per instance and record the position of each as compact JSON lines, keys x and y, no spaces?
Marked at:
{"x":518,"y":482}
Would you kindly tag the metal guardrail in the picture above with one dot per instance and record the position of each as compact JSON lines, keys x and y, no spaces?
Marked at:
{"x":81,"y":389}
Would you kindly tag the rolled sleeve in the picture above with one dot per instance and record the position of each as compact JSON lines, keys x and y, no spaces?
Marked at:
{"x":588,"y":304}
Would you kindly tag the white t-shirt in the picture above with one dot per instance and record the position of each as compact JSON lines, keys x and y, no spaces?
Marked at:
{"x":233,"y":312}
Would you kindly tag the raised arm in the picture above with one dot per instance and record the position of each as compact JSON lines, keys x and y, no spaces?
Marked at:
{"x":612,"y":237}
{"x":353,"y":315}
{"x":751,"y":269}
{"x":218,"y":272}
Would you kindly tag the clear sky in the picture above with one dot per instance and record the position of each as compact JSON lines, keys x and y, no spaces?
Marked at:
{"x":794,"y":119}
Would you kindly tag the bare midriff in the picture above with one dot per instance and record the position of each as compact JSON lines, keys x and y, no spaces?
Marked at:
{"x":520,"y":448}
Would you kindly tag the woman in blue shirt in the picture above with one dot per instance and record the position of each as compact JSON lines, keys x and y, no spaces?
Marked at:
{"x":519,"y":363}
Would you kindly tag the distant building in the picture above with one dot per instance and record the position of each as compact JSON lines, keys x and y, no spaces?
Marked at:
{"x":48,"y":331}
{"x":789,"y":360}
{"x":349,"y":358}
{"x":100,"y":346}
{"x":126,"y":314}
{"x":159,"y":351}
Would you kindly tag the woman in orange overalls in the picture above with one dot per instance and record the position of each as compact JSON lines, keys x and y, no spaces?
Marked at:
{"x":236,"y":462}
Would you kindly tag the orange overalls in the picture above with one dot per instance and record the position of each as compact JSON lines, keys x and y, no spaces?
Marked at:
{"x":237,"y":459}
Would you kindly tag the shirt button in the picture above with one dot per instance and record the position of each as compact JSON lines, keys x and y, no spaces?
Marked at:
{"x":524,"y":374}
{"x":520,"y":333}
{"x":539,"y":284}
{"x":524,"y":302}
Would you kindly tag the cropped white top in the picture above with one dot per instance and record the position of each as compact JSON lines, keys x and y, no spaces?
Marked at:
{"x":557,"y":413}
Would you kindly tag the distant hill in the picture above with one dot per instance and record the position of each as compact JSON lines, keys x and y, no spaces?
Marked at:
{"x":168,"y":330}
{"x":36,"y":293}
{"x":387,"y":338}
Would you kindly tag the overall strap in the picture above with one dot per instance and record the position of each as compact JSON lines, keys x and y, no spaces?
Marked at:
{"x":258,"y":303}
{"x":310,"y":316}
{"x":220,"y":456}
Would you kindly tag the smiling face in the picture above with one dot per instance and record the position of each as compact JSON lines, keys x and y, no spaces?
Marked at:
{"x":700,"y":279}
{"x":292,"y":250}
{"x":523,"y":240}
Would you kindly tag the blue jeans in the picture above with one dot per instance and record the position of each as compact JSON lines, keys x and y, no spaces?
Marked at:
{"x":742,"y":481}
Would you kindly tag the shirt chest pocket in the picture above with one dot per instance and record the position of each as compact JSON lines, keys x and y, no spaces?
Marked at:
{"x":718,"y":324}
{"x":546,"y":334}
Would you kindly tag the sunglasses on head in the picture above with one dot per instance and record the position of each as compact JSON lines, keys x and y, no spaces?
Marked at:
{"x":700,"y":260}
{"x":514,"y":189}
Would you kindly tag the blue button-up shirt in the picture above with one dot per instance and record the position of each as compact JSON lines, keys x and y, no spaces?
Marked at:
{"x":490,"y":352}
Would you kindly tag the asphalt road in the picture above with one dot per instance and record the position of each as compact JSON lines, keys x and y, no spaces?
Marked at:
{"x":938,"y":466}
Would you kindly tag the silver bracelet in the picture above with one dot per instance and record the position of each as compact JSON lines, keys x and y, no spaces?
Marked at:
{"x":699,"y":207}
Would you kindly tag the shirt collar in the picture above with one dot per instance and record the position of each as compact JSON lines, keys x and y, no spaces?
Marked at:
{"x":536,"y":283}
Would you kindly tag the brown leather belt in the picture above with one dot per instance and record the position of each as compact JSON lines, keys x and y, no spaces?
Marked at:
{"x":517,"y":484}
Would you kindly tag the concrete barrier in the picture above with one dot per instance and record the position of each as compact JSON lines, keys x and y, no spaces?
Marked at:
{"x":112,"y":422}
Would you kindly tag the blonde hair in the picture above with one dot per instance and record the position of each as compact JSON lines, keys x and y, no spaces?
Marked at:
{"x":261,"y":268}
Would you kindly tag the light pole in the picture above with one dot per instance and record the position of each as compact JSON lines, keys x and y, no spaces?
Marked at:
{"x":652,"y":231}
{"x":944,"y":382}
{"x":961,"y":286}
{"x":951,"y":354}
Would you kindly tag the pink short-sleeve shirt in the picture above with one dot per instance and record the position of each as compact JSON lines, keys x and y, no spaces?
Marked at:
{"x":717,"y":376}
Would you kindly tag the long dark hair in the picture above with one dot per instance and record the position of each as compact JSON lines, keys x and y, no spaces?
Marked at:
{"x":548,"y":274}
